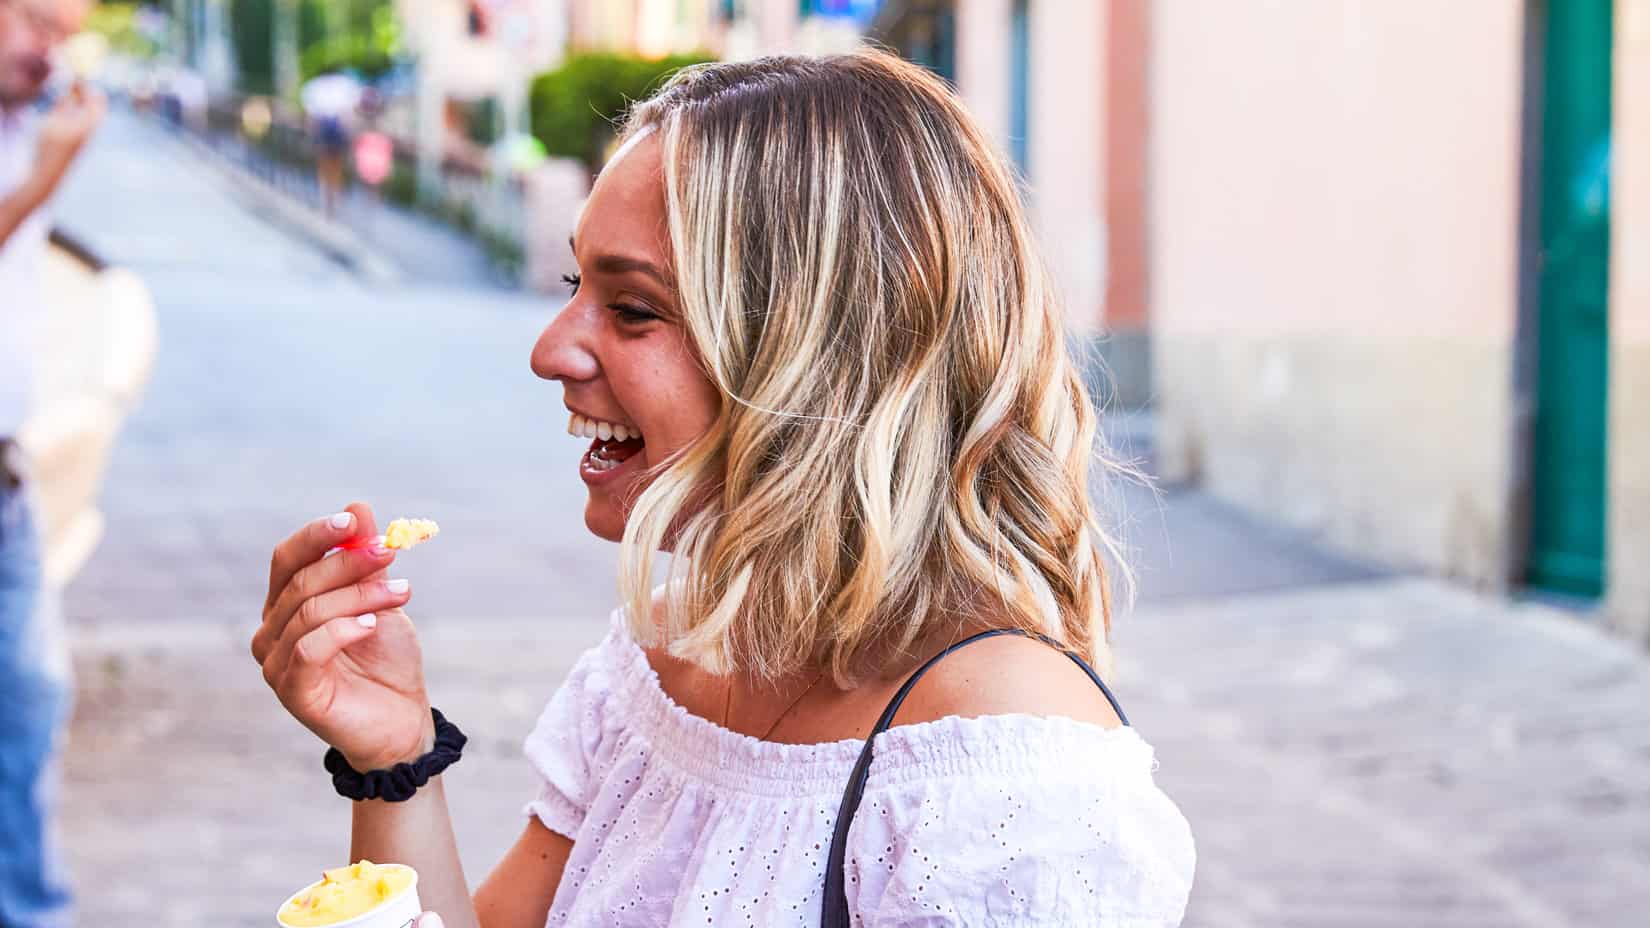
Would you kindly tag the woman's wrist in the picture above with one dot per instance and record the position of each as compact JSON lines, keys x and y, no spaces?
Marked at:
{"x":424,"y":745}
{"x":400,"y":779}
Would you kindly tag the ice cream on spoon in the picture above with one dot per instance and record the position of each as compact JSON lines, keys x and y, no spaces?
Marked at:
{"x":404,"y":533}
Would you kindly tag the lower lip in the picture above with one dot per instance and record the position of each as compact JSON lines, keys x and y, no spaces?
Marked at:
{"x":593,"y":477}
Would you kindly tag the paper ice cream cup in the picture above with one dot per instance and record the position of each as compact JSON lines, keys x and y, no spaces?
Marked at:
{"x":398,"y":911}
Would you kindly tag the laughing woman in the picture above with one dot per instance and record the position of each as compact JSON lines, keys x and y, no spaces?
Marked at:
{"x":822,"y":364}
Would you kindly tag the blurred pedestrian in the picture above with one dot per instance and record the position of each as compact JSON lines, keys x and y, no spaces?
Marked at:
{"x":330,"y":103}
{"x":36,"y":151}
{"x":818,"y":359}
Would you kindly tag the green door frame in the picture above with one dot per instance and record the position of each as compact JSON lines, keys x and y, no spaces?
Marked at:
{"x":1561,"y":354}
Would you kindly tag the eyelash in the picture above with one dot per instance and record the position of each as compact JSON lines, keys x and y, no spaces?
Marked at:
{"x":628,"y":313}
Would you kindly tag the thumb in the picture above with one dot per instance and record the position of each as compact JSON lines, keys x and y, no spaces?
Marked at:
{"x":429,"y":920}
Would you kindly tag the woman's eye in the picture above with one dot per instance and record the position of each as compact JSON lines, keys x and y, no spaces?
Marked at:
{"x":572,"y":281}
{"x":633,"y":314}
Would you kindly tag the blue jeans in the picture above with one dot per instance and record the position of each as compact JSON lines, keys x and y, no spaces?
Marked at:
{"x":35,"y":697}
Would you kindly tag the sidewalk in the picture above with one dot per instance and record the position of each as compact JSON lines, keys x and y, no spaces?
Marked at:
{"x":1399,"y":752}
{"x":386,"y":243}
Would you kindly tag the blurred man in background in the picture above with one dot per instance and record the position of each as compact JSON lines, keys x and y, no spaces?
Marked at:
{"x":36,"y":150}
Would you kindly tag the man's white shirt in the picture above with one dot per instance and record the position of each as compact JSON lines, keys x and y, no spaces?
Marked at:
{"x":21,"y":300}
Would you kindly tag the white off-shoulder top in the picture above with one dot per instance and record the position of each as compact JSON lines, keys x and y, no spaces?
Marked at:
{"x":1004,"y":820}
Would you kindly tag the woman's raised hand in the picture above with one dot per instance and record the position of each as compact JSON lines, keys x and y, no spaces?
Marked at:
{"x":336,"y":647}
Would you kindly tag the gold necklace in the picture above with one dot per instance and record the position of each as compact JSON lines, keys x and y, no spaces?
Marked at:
{"x":727,"y":704}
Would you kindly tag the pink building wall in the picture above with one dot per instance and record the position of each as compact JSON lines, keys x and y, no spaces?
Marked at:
{"x":1334,"y":216}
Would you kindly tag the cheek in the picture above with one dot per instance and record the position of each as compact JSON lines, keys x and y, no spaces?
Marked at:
{"x":672,"y":401}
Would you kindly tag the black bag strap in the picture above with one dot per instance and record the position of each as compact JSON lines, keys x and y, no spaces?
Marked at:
{"x":835,"y":914}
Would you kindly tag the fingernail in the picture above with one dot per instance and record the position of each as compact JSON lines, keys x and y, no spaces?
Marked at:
{"x":377,"y":547}
{"x":430,"y":920}
{"x":367,"y":621}
{"x":342,"y":519}
{"x":395,"y":586}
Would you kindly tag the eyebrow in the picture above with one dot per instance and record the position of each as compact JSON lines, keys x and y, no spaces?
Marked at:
{"x":619,"y":264}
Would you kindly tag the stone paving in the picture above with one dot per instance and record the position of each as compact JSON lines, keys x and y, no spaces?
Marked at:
{"x":1352,"y":748}
{"x":1399,"y":752}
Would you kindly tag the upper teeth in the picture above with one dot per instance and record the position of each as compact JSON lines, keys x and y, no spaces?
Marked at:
{"x":595,"y":428}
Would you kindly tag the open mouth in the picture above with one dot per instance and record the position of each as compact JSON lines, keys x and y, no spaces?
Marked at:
{"x":613,"y":443}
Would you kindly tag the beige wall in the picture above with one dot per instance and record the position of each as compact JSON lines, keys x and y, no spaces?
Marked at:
{"x":1334,"y":215}
{"x":983,"y":62}
{"x":1067,"y":88}
{"x":1629,"y":436}
{"x":646,"y":27}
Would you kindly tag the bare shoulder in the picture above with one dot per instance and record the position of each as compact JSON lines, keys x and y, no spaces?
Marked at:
{"x":1007,"y":674}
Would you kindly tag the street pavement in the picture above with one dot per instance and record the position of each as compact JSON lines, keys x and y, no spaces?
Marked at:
{"x":1352,"y":747}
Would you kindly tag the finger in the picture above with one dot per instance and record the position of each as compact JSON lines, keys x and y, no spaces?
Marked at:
{"x":280,"y":656}
{"x":278,"y":667}
{"x":346,"y":566}
{"x":317,"y":579}
{"x":316,"y":649}
{"x":355,"y":599}
{"x":315,"y":539}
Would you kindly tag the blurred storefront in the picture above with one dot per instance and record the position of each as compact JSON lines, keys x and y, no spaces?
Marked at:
{"x":792,"y":27}
{"x":206,"y":37}
{"x":1401,"y":279}
{"x":651,"y":28}
{"x":470,"y":51}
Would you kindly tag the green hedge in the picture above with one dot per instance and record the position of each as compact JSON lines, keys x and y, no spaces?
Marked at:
{"x":365,"y":38}
{"x":358,"y":53}
{"x":118,"y":23}
{"x":576,"y":107}
{"x":359,"y":35}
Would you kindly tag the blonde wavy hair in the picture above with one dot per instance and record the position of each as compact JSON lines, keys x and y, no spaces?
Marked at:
{"x":904,"y":444}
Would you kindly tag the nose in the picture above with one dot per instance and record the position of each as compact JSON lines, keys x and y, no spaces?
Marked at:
{"x":565,"y":350}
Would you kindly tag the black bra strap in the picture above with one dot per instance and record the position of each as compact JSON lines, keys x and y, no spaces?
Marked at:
{"x":835,"y":914}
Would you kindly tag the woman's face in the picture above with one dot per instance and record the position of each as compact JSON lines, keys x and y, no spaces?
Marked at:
{"x":632,"y":384}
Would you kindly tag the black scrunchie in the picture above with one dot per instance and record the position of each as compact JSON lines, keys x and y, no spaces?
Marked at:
{"x":398,"y":783}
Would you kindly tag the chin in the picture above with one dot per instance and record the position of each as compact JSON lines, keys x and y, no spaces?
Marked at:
{"x":603,"y":522}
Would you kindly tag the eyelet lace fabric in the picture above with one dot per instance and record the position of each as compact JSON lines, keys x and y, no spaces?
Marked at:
{"x":1010,"y":820}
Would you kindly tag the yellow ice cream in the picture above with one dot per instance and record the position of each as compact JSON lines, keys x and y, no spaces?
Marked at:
{"x":404,"y":533}
{"x":346,"y":892}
